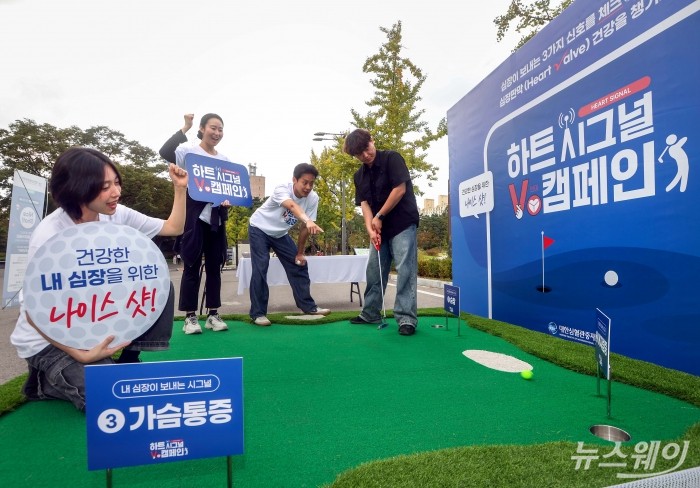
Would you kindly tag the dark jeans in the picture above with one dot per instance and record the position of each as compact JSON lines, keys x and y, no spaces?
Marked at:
{"x":298,"y":276}
{"x":213,"y":259}
{"x":402,"y":250}
{"x":55,"y":375}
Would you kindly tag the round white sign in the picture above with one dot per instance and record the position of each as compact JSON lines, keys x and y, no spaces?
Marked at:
{"x":93,"y":280}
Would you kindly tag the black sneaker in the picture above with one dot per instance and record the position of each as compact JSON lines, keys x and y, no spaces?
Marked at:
{"x":407,"y":329}
{"x":359,"y":320}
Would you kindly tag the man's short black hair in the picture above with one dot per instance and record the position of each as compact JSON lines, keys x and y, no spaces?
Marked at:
{"x":356,"y":142}
{"x":305,"y":169}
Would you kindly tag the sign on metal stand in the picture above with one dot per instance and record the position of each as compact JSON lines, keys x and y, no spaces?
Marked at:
{"x":153,"y":413}
{"x":602,"y":352}
{"x":451,"y":306}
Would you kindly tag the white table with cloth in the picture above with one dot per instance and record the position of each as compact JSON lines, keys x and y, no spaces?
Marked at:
{"x":322,"y":269}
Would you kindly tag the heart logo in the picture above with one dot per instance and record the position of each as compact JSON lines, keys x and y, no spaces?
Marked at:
{"x":533,"y":205}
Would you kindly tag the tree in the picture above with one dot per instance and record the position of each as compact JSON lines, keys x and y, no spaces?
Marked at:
{"x":394,"y":119}
{"x":335,"y":169}
{"x":33,"y":148}
{"x":432,"y":231}
{"x":237,"y":223}
{"x":395,"y":123}
{"x":530,"y":18}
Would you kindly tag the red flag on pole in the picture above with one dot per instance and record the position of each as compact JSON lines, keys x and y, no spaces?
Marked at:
{"x":547,"y":241}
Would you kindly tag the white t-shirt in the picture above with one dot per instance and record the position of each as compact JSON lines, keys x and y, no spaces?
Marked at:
{"x":25,"y":338}
{"x":180,"y":152}
{"x":275,"y":220}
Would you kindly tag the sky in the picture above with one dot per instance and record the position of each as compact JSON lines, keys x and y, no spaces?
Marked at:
{"x":276,"y":72}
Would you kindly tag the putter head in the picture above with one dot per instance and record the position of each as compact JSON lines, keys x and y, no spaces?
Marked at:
{"x":382,"y":325}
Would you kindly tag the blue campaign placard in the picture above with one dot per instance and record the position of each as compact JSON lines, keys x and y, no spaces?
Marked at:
{"x":214,"y":180}
{"x":151,"y":413}
{"x":452,"y":299}
{"x":602,"y":342}
{"x":571,"y":174}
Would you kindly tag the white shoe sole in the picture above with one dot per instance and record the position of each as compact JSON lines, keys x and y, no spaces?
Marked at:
{"x":216,"y":329}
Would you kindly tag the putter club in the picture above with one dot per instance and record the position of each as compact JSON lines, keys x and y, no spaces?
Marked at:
{"x":381,"y":284}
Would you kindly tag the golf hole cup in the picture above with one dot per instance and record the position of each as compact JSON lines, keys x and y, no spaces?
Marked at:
{"x":94,"y":280}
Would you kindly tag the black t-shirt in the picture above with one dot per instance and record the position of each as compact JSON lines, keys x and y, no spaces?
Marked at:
{"x":373,"y":185}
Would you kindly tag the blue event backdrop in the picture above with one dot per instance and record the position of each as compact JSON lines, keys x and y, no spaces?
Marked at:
{"x":585,"y":138}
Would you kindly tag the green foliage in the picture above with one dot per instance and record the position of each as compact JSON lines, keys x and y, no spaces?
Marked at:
{"x":438,"y":268}
{"x":433,"y":231}
{"x":357,"y":234}
{"x":237,"y":223}
{"x":333,"y":186}
{"x":393,"y":115}
{"x":33,"y":148}
{"x":143,"y":191}
{"x":530,"y":18}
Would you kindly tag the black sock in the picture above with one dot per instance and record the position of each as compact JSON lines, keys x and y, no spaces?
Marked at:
{"x":190,"y":314}
{"x":213,"y":312}
{"x":129,"y":356}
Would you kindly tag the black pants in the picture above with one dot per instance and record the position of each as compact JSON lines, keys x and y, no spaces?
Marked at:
{"x":213,"y":252}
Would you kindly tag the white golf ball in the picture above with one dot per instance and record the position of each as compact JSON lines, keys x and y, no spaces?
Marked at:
{"x":611,"y":278}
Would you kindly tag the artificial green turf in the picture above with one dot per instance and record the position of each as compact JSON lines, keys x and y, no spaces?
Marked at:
{"x":322,"y":399}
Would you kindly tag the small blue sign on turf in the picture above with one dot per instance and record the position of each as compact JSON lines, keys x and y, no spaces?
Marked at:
{"x":602,"y":343}
{"x":452,"y":299}
{"x":213,"y":180}
{"x":151,"y":413}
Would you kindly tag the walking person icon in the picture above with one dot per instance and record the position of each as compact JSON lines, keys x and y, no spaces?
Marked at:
{"x":675,"y":150}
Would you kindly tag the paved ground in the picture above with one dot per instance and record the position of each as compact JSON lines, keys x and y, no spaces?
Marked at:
{"x":333,"y":296}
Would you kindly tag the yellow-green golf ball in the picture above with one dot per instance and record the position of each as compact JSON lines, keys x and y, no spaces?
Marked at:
{"x":527,"y":374}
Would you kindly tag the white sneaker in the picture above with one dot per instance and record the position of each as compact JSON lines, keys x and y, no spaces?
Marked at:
{"x":321,"y":311}
{"x":262,"y":320}
{"x":215,"y":323}
{"x":192,"y":325}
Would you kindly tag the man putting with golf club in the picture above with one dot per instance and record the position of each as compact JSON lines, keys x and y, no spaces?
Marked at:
{"x":384,"y":191}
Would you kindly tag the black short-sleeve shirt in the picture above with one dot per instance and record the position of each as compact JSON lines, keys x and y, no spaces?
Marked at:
{"x":373,"y":185}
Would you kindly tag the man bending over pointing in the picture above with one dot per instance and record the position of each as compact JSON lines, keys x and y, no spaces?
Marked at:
{"x":269,"y":229}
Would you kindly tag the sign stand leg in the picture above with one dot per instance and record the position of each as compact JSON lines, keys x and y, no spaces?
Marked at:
{"x":447,"y":324}
{"x":229,"y":471}
{"x":609,"y":393}
{"x":108,"y":475}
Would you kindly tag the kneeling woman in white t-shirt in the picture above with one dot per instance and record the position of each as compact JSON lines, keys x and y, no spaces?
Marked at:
{"x":86,"y":186}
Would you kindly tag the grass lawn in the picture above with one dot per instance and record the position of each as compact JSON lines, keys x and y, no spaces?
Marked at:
{"x":539,"y":465}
